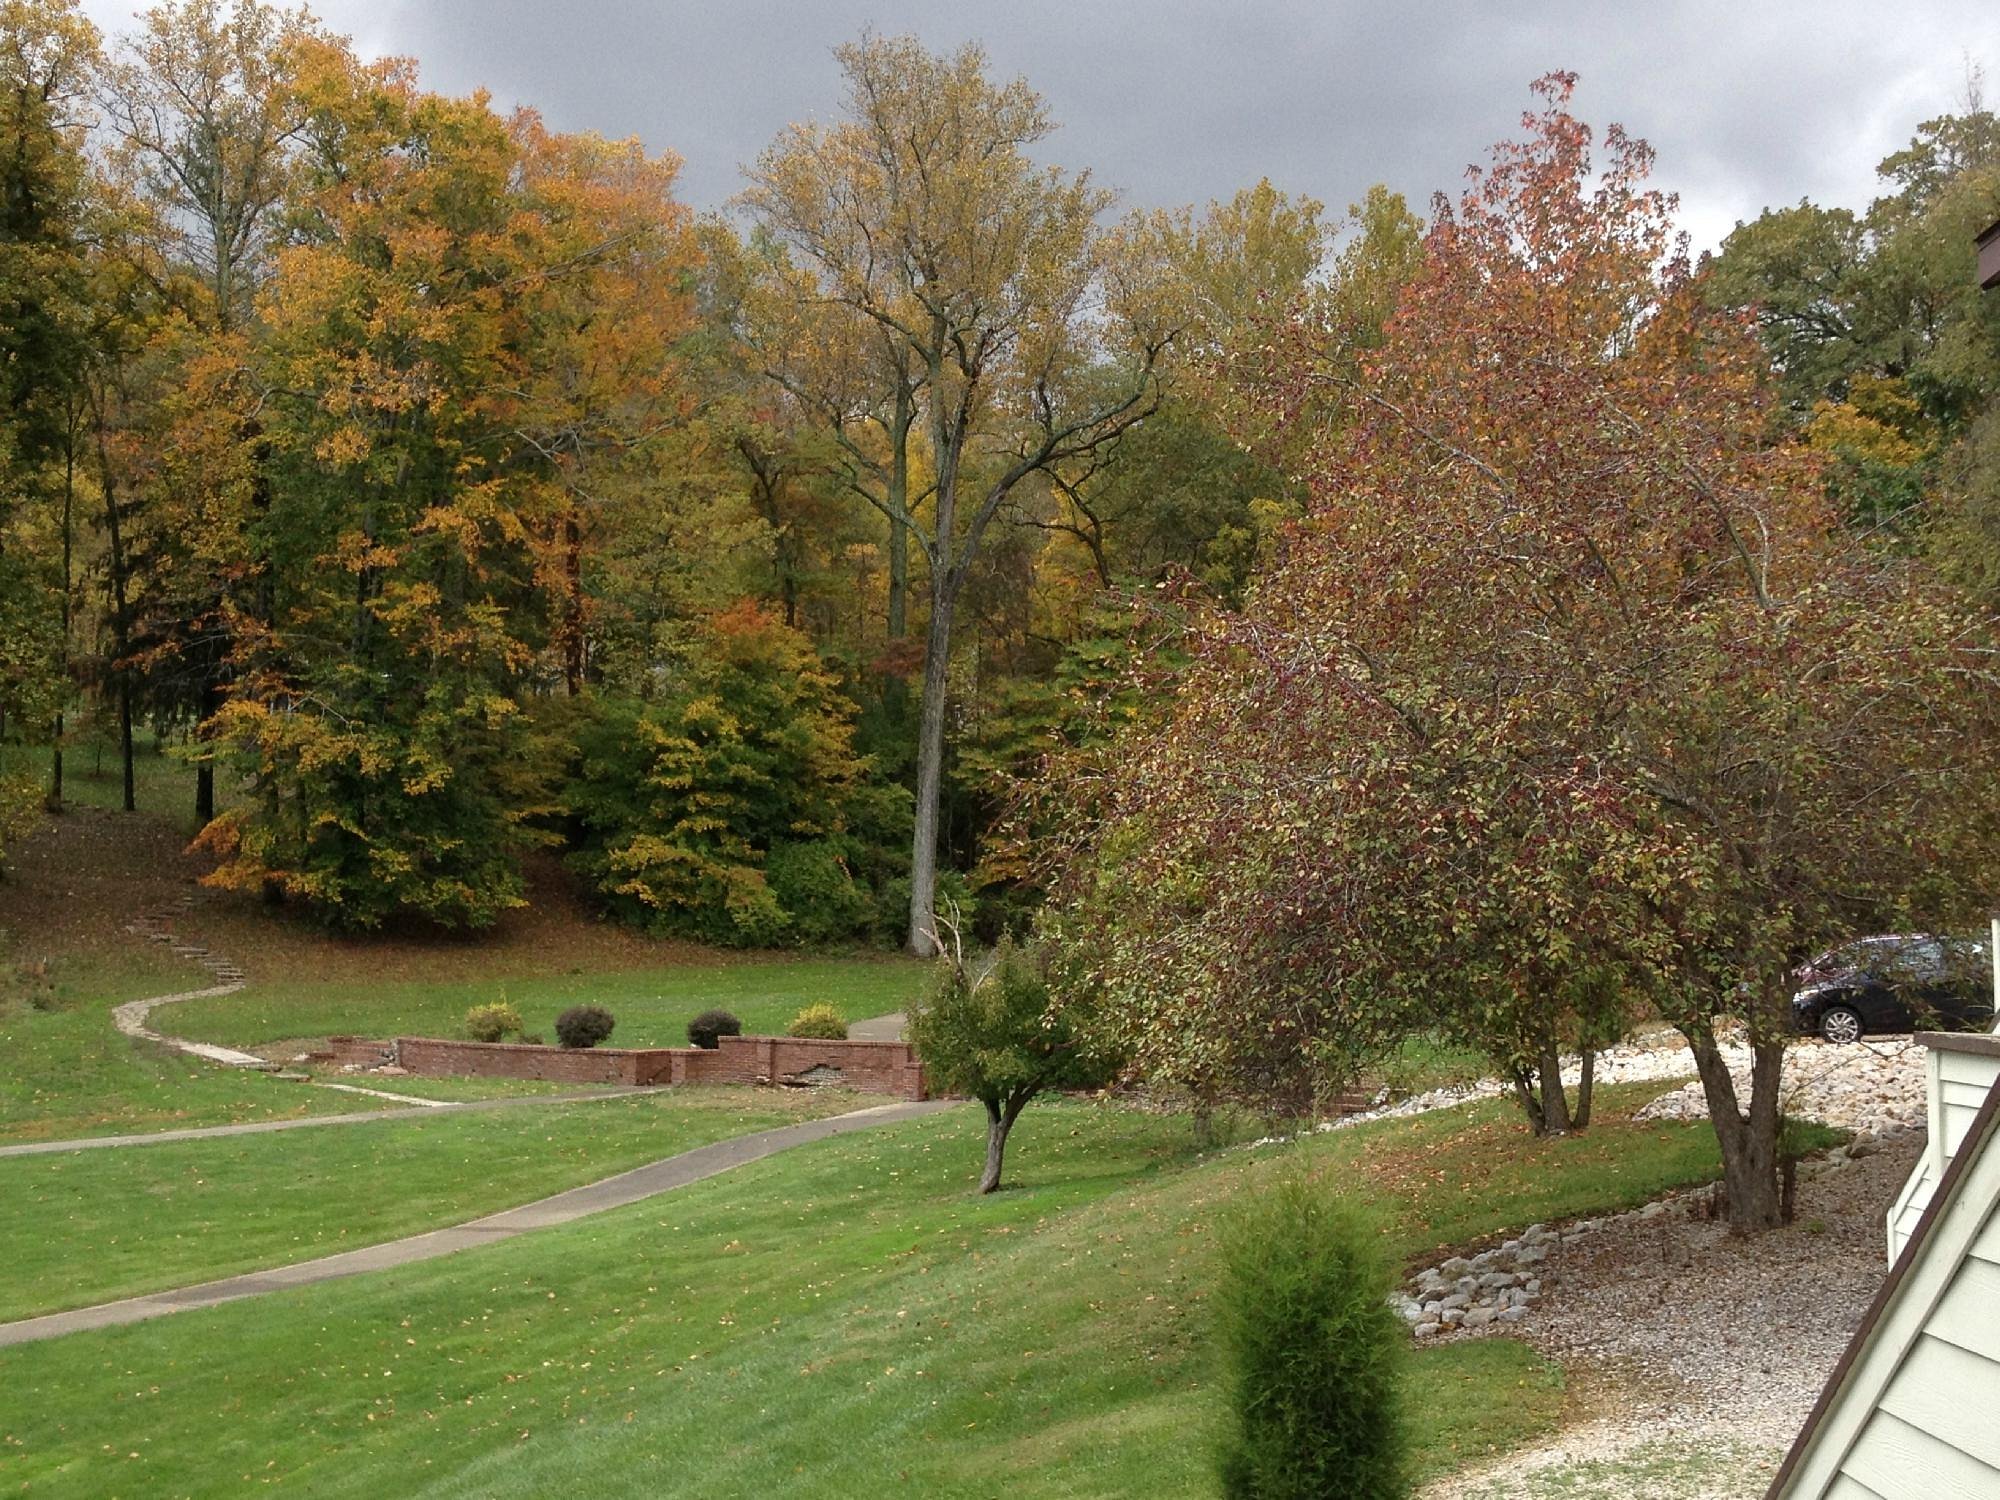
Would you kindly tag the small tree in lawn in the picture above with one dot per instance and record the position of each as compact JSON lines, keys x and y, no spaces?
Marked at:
{"x":995,"y":1034}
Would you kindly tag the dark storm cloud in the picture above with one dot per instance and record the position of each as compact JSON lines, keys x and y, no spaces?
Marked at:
{"x":1749,"y":103}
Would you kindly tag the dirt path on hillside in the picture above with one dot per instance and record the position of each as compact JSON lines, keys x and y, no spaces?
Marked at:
{"x":1695,"y":1355}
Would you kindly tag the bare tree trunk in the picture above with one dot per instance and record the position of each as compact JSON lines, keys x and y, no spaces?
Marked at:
{"x":999,"y":1120}
{"x":68,"y":550}
{"x":899,"y":511}
{"x":930,"y":774}
{"x":121,"y":623}
{"x":1555,"y":1103}
{"x":1527,"y":1098}
{"x":574,"y":628}
{"x":1585,"y":1079}
{"x":204,"y":771}
{"x":1749,"y":1142}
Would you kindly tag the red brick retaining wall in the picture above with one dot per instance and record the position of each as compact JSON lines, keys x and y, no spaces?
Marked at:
{"x":875,"y":1067}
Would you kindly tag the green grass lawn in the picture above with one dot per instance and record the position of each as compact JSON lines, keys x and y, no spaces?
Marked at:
{"x":69,"y":1072}
{"x":652,"y":1005}
{"x":845,"y":1318}
{"x":455,"y":1090}
{"x":92,"y":1226}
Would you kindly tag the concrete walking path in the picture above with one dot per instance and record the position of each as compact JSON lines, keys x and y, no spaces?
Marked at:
{"x":593,"y":1198}
{"x":415,"y":1108}
{"x":887,"y":1028}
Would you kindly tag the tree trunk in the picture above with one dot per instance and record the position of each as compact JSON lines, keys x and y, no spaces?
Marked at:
{"x":1525,"y":1095}
{"x":204,"y":772}
{"x":574,"y":629}
{"x":62,"y":655}
{"x":125,"y":738}
{"x":1586,"y":1078}
{"x":1750,"y":1178}
{"x":121,"y":623}
{"x":899,"y":512}
{"x":930,"y":773}
{"x":999,"y":1120}
{"x":1555,"y":1103}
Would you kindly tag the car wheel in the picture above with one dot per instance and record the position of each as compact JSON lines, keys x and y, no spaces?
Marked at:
{"x":1840,"y":1023}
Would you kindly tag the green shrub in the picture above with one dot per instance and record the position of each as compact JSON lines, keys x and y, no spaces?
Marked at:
{"x":492,"y":1023}
{"x":706,"y":1028}
{"x":584,"y":1025}
{"x":821,"y":1022}
{"x":1312,"y":1351}
{"x":812,"y":882}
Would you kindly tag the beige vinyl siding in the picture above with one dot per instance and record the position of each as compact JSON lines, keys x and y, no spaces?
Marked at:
{"x":1910,"y":1205}
{"x":1963,"y":1079}
{"x":1957,"y":1084}
{"x":1918,"y":1415}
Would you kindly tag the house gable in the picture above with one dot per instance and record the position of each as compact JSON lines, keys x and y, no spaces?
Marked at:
{"x":1909,"y":1409}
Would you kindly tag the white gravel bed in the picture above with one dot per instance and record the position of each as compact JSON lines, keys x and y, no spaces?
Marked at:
{"x":1872,"y":1087}
{"x":1708,"y":1349}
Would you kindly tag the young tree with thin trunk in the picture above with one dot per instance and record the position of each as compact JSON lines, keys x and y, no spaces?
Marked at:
{"x":983,"y":279}
{"x":993,"y":1032}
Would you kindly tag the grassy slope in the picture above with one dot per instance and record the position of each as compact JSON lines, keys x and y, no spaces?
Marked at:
{"x":652,"y":1005}
{"x":65,"y":961}
{"x":842,"y":1319}
{"x":97,"y":1225}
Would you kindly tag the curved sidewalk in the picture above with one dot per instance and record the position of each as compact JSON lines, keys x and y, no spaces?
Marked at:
{"x":416,"y":1109}
{"x":593,"y":1198}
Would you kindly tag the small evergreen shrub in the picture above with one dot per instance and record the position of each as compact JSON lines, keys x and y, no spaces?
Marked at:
{"x":583,"y":1025}
{"x":820,"y":1022}
{"x":492,"y":1023}
{"x":1312,"y":1352}
{"x":705,"y":1029}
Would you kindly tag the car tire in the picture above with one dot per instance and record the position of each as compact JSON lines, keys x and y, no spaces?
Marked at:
{"x":1840,"y":1023}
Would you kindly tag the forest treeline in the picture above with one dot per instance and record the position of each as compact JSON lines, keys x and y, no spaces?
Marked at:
{"x":441,"y":486}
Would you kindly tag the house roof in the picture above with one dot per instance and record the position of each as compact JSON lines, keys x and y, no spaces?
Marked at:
{"x":1981,"y":1134}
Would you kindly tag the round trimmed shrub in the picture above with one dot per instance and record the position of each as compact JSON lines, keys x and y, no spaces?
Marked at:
{"x":584,"y":1025}
{"x":819,"y":1022}
{"x":706,"y":1029}
{"x":1312,"y":1351}
{"x":492,"y":1023}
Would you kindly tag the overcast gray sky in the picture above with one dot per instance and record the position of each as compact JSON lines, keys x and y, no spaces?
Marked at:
{"x":1749,"y":103}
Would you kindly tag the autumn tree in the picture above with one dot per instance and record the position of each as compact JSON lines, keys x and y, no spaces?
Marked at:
{"x":377,"y":712}
{"x":953,"y":260}
{"x":1571,"y":686}
{"x":1884,"y":347}
{"x":47,"y":54}
{"x":202,"y":122}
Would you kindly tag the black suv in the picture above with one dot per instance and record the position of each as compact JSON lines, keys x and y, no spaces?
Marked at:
{"x":1894,"y":983}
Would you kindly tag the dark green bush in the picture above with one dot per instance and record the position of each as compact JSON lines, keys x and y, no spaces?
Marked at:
{"x":820,"y":1022}
{"x":1312,"y":1351}
{"x":705,"y":1029}
{"x":814,"y":885}
{"x":584,"y":1025}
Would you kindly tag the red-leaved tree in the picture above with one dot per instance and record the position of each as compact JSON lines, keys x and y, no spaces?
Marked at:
{"x":1570,"y":692}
